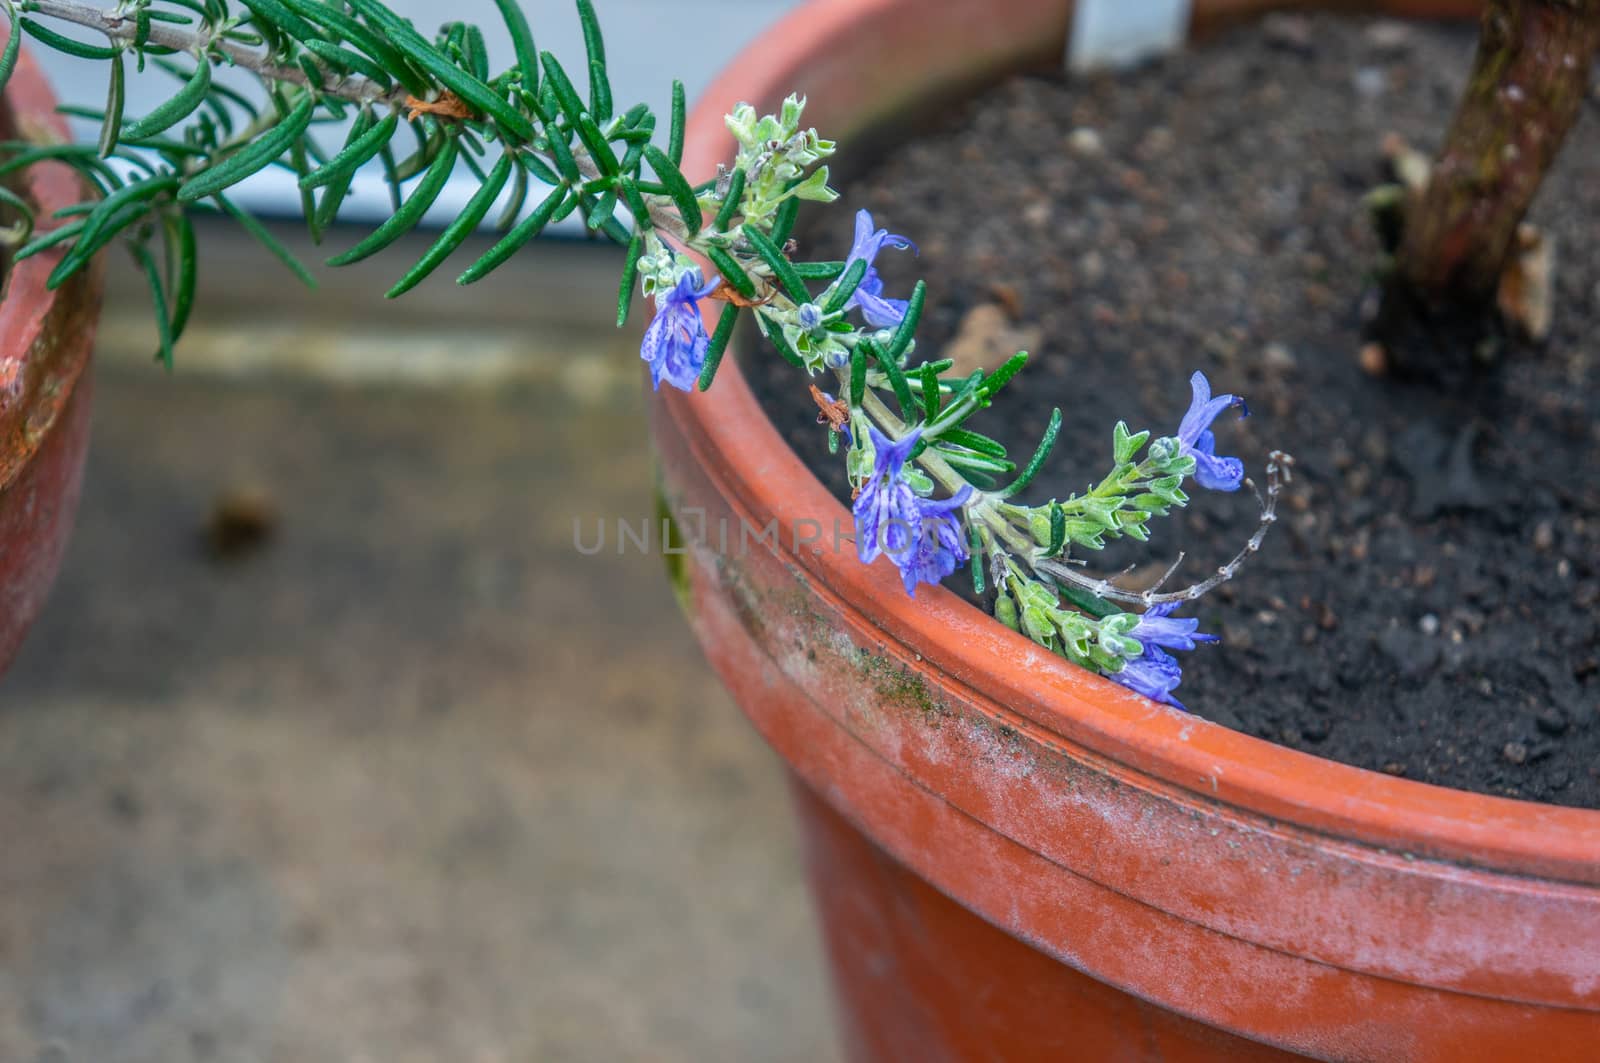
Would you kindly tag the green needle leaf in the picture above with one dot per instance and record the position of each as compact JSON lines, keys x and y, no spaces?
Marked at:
{"x":731,"y":272}
{"x":561,"y":85}
{"x":519,"y":196}
{"x":897,"y":381}
{"x":930,"y":391}
{"x":719,"y":344}
{"x":636,"y":204}
{"x":111,"y":125}
{"x":8,"y":58}
{"x":524,"y":231}
{"x":557,"y":140}
{"x":56,"y":42}
{"x":415,"y":206}
{"x":901,"y":342}
{"x":593,"y":42}
{"x":336,"y":189}
{"x":785,"y":273}
{"x":775,"y":336}
{"x":158,"y":296}
{"x":675,"y":136}
{"x":252,"y":157}
{"x":845,"y":287}
{"x":366,"y":140}
{"x":858,"y":375}
{"x":982,"y":444}
{"x":457,"y":231}
{"x":522,"y":42}
{"x":630,"y":274}
{"x":817,"y":271}
{"x":182,"y":104}
{"x":677,"y":187}
{"x":281,"y":19}
{"x":46,"y":241}
{"x":1058,"y":529}
{"x":599,"y":92}
{"x":344,"y":61}
{"x":111,"y":216}
{"x":1046,"y":445}
{"x":1002,"y":376}
{"x":783,"y":220}
{"x":731,"y":202}
{"x":181,"y":248}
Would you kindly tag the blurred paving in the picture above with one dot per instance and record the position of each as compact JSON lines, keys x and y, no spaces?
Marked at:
{"x":414,"y":781}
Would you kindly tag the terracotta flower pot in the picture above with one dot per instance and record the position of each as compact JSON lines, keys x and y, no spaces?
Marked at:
{"x":1015,"y":859}
{"x":45,"y":338}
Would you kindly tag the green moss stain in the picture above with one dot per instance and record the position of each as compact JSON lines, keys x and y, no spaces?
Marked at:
{"x":895,"y":684}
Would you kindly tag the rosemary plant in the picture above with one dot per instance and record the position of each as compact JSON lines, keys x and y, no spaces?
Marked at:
{"x":427,"y":108}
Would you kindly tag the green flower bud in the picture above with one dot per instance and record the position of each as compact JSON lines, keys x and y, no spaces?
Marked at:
{"x":1005,"y":610}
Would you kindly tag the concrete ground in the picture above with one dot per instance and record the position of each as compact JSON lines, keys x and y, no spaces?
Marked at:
{"x":413,"y":781}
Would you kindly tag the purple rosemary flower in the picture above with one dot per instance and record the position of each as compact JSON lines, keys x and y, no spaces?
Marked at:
{"x":879,"y":312}
{"x":1155,"y":674}
{"x":1198,"y":441}
{"x":675,"y":343}
{"x":942,"y":547}
{"x":1158,"y":627}
{"x":888,"y":516}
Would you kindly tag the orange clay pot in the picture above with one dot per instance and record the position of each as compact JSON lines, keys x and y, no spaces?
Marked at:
{"x":1015,"y":859}
{"x":45,"y":339}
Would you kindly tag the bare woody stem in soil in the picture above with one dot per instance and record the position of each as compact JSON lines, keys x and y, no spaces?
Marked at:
{"x":1528,"y":85}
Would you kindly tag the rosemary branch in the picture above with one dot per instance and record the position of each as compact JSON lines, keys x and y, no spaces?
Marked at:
{"x":121,"y":26}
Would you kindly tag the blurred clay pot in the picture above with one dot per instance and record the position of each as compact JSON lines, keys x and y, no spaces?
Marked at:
{"x":1015,"y":859}
{"x":45,"y":390}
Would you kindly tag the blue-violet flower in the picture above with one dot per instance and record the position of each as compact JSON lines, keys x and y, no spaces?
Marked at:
{"x":1198,"y":441}
{"x":942,"y":547}
{"x":888,"y":517}
{"x":676,"y":341}
{"x":1158,"y":627}
{"x":879,"y":312}
{"x":1155,"y":673}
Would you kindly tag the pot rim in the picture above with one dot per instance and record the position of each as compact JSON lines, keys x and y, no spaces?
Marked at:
{"x":37,"y":375}
{"x":744,"y":454}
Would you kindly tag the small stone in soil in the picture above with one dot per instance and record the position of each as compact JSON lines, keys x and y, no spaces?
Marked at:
{"x":1389,"y":36}
{"x":1515,"y":752}
{"x":1370,"y":82}
{"x":1085,"y":141}
{"x":1374,"y":360}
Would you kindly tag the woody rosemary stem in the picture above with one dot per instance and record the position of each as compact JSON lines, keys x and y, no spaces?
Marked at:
{"x":119,"y":26}
{"x":1527,"y":87}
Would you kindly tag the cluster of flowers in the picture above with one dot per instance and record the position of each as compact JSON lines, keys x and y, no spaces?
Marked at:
{"x":929,"y":539}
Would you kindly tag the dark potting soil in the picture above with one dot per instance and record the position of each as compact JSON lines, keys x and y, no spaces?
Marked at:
{"x":1426,"y":605}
